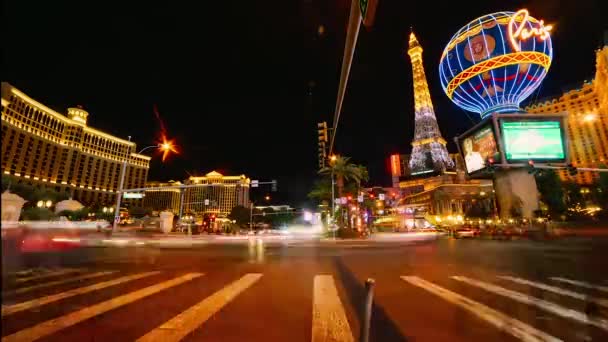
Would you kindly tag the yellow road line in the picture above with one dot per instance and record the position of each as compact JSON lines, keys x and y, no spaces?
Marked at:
{"x":329,"y":322}
{"x":61,"y":271}
{"x":539,"y":303}
{"x":57,"y":282}
{"x":51,"y":326}
{"x":9,"y":310}
{"x":183,"y":324}
{"x":501,"y":321}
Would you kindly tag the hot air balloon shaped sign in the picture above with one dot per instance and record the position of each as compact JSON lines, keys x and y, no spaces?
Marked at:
{"x":494,"y":62}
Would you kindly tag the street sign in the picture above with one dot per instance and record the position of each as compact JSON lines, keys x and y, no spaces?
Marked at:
{"x":343,"y":200}
{"x":360,"y":199}
{"x":255,"y":183}
{"x":337,"y":200}
{"x":206,"y":202}
{"x":381,"y":197}
{"x":133,"y":195}
{"x":274,"y":185}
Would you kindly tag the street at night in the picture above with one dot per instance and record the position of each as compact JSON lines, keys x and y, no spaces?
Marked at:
{"x":308,"y":170}
{"x":426,"y":290}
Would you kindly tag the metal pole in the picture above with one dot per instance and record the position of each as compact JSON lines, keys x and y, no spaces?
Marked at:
{"x":367,"y":310}
{"x":352,"y":32}
{"x":333,"y":203}
{"x":251,"y":217}
{"x":181,"y":209}
{"x":119,"y":192}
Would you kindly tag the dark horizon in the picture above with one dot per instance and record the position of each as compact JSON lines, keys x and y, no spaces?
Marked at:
{"x":242,"y":88}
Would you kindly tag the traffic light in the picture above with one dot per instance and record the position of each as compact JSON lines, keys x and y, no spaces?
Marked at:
{"x":323,"y":138}
{"x":274,"y":185}
{"x":572,"y":171}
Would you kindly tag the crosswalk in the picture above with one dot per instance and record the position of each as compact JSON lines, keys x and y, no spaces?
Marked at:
{"x":329,"y":319}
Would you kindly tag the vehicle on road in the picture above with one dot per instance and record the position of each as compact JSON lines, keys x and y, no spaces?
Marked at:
{"x":45,"y":236}
{"x":465,"y":232}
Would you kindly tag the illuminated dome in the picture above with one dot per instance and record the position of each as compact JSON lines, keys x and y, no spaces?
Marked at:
{"x":494,"y":62}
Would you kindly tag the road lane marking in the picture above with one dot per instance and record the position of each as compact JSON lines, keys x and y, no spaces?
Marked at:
{"x":554,"y":289}
{"x":54,"y":283}
{"x":581,"y":284}
{"x":186,"y":322}
{"x":540,"y":303}
{"x":59,"y":272}
{"x":11,"y":309}
{"x":52,"y":326}
{"x":501,"y":321}
{"x":329,"y":322}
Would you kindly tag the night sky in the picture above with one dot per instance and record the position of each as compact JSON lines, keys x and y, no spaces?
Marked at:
{"x":241,"y":85}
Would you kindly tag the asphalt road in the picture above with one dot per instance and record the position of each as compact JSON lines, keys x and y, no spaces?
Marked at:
{"x":439,"y":290}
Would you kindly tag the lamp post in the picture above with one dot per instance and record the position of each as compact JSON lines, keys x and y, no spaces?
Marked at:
{"x":165,"y":146}
{"x":332,"y":159}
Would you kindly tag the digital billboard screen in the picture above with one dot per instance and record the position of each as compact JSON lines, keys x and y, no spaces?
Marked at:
{"x":477,"y":147}
{"x":541,"y":140}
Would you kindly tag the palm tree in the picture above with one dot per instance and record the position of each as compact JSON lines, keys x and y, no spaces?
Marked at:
{"x":344,"y":170}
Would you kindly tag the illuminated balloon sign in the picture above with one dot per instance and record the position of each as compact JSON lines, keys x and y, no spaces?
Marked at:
{"x":496,"y":61}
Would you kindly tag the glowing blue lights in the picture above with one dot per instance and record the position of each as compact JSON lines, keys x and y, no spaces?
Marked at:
{"x":494,"y":62}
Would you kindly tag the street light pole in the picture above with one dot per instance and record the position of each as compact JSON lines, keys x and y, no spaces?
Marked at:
{"x":121,"y":184}
{"x":119,"y":191}
{"x":251,"y":217}
{"x":333,"y":200}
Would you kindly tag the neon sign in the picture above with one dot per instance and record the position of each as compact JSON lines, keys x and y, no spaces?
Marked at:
{"x":395,"y":165}
{"x":522,"y":33}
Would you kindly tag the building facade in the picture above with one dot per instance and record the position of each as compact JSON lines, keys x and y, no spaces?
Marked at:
{"x":446,"y":196}
{"x":216,"y":194}
{"x":587,"y":110}
{"x":222,"y":192}
{"x":47,"y":149}
{"x":162,"y":199}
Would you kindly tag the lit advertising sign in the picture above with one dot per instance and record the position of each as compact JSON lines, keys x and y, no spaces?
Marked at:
{"x":477,"y":147}
{"x":533,"y":139}
{"x":395,"y":165}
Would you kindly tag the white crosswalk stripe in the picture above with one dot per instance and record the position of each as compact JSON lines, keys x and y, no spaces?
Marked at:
{"x":554,"y":289}
{"x":329,"y":319}
{"x":11,"y":309}
{"x":540,"y":303}
{"x":496,"y":318}
{"x":329,"y":322}
{"x":186,"y":322}
{"x":51,"y":326}
{"x":55,"y":283}
{"x":581,"y":284}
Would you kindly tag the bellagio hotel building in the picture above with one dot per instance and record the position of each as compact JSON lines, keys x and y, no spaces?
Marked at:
{"x":48,"y":149}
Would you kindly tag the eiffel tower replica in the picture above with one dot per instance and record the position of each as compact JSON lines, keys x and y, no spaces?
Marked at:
{"x":429,"y":154}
